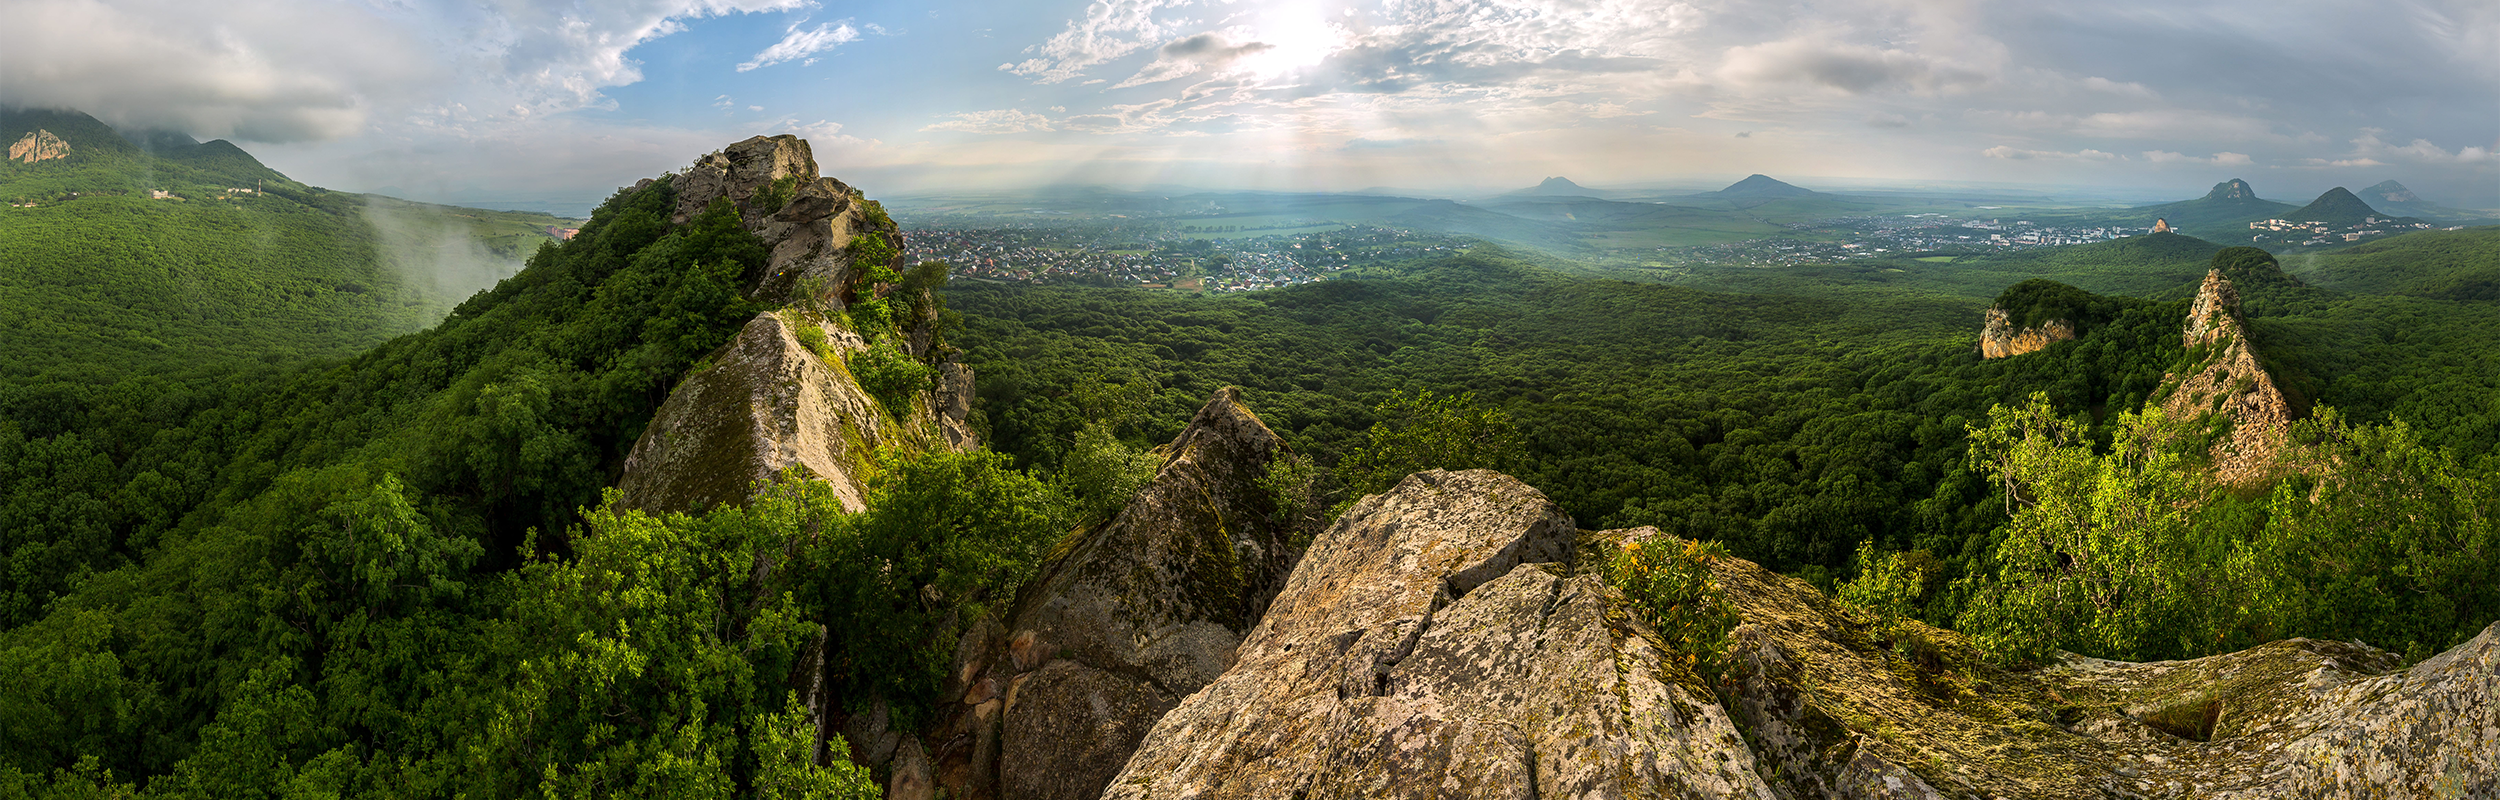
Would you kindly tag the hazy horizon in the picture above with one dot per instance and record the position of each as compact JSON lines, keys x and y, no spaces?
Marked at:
{"x":534,"y":100}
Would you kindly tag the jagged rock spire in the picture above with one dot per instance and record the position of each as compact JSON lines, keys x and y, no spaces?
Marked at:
{"x":2226,"y":380}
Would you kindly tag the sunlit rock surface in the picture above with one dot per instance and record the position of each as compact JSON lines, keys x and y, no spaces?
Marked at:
{"x":1998,"y":338}
{"x":1436,"y":642}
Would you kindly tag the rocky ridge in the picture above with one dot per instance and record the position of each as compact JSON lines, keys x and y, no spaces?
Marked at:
{"x":2225,"y":379}
{"x":40,"y":145}
{"x":781,"y":395}
{"x":1998,"y":338}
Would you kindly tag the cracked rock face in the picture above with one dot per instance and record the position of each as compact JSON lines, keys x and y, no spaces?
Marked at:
{"x":1135,"y":615}
{"x":1435,"y":643}
{"x":767,"y":402}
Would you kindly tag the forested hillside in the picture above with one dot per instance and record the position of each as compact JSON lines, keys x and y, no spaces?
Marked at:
{"x":119,"y":257}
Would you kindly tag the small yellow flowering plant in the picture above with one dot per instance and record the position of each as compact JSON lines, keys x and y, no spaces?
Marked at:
{"x":1675,"y":591}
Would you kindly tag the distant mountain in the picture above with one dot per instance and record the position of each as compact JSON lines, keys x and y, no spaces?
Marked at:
{"x":2230,"y":206}
{"x":2392,"y":193}
{"x":1760,"y":187}
{"x":1558,"y":187}
{"x":2338,"y":206}
{"x":2394,"y":198}
{"x":99,"y":156}
{"x":2233,"y":189}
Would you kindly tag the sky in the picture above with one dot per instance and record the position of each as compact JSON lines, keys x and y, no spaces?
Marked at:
{"x":488,"y":99}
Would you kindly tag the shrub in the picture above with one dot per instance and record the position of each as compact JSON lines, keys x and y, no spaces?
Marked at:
{"x":891,"y":376}
{"x":1889,"y":589}
{"x":813,"y":338}
{"x":1675,"y":592}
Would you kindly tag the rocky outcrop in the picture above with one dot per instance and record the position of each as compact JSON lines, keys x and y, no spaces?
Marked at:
{"x":1437,"y":642}
{"x":1998,"y":338}
{"x":1128,"y":619}
{"x":781,"y":395}
{"x":1447,"y":639}
{"x":39,"y":145}
{"x":807,"y":219}
{"x":766,"y":403}
{"x":1832,"y":712}
{"x":2224,"y":381}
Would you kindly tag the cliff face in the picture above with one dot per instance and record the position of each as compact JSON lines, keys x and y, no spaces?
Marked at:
{"x":781,"y":394}
{"x":1998,"y":338}
{"x":2225,"y":380}
{"x":40,"y":145}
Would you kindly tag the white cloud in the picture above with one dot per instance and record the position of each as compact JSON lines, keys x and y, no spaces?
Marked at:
{"x":2342,"y":162}
{"x":2419,"y":151}
{"x":803,"y":43}
{"x":241,"y":70}
{"x":1110,"y":29}
{"x":2222,"y":159}
{"x":2016,"y":154}
{"x":306,"y":70}
{"x":2180,"y":123}
{"x":1005,"y":120}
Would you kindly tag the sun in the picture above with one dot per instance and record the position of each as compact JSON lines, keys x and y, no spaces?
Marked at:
{"x":1298,"y":36}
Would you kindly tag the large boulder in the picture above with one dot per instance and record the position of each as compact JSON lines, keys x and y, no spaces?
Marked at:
{"x":1125,"y":621}
{"x":1437,"y":642}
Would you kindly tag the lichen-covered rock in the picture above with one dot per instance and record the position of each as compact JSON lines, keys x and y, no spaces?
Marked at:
{"x":1998,"y":338}
{"x":1436,"y":643}
{"x":2228,"y":382}
{"x":1133,"y":615}
{"x":766,"y":403}
{"x":1831,"y":712}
